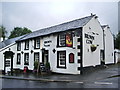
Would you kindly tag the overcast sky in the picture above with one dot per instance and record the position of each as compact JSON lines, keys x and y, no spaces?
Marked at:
{"x":38,"y":15}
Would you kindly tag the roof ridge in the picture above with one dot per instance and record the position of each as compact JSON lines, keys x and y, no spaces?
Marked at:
{"x":77,"y":23}
{"x":64,"y":23}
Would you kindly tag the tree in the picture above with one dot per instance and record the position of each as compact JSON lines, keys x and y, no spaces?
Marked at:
{"x":18,"y":31}
{"x":3,"y":32}
{"x":117,"y":41}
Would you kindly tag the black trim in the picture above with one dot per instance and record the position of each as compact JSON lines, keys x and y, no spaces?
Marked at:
{"x":43,"y":53}
{"x":78,"y":39}
{"x":103,"y":46}
{"x":38,"y":55}
{"x":73,"y":58}
{"x":6,"y":54}
{"x":58,"y":41}
{"x":24,"y":59}
{"x":79,"y":54}
{"x":18,"y":63}
{"x":18,"y":45}
{"x":79,"y":61}
{"x":58,"y":59}
{"x":65,"y":39}
{"x":79,"y":47}
{"x":36,"y":43}
{"x":27,"y":41}
{"x":79,"y":68}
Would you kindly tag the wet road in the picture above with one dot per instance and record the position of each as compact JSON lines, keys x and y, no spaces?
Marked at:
{"x":106,"y":83}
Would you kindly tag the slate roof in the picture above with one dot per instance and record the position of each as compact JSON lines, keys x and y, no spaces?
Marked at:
{"x":9,"y":41}
{"x":59,"y":28}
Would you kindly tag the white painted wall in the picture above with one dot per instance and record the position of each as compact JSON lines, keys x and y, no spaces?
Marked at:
{"x":117,"y":55}
{"x":109,"y":46}
{"x":12,"y":47}
{"x":1,"y":39}
{"x":92,"y":58}
{"x":71,"y":67}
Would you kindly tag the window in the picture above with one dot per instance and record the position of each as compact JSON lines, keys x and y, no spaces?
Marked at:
{"x":26,"y":59}
{"x":65,"y":40}
{"x":61,"y":59}
{"x":18,"y":46}
{"x":27,"y":45}
{"x":36,"y":56}
{"x":37,"y":43}
{"x":71,"y":58}
{"x":62,"y":40}
{"x":18,"y":58}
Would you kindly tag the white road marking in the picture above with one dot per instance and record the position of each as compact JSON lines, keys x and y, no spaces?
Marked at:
{"x":78,"y":82}
{"x":103,"y":83}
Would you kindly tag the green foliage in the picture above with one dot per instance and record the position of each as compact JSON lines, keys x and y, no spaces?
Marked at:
{"x":18,"y":31}
{"x":117,"y":41}
{"x":47,"y":65}
{"x":3,"y":32}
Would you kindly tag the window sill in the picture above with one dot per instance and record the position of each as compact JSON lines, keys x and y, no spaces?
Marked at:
{"x":26,"y":49}
{"x":61,"y":67}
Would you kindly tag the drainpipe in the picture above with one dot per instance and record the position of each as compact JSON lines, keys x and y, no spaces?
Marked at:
{"x":81,"y":50}
{"x":104,"y":45}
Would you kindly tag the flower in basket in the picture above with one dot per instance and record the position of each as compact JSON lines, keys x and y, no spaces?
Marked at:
{"x":93,"y":47}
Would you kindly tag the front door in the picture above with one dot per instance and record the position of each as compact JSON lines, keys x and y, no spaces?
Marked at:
{"x":45,"y":57}
{"x":8,"y":62}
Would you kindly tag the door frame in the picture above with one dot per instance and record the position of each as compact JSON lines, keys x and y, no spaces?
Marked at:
{"x":43,"y":54}
{"x":11,"y":54}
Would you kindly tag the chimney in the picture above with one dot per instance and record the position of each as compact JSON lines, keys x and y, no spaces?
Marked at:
{"x":91,"y":14}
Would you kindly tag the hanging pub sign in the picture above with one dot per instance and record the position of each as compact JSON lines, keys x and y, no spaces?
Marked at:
{"x":68,"y":40}
{"x":71,"y":58}
{"x":47,"y":43}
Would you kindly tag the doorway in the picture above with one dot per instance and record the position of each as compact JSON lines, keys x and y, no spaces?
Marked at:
{"x":45,"y":57}
{"x":8,"y":62}
{"x":102,"y":57}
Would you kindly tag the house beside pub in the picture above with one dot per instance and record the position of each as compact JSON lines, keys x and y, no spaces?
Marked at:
{"x":68,"y":47}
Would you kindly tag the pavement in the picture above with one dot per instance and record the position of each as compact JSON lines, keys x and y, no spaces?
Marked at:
{"x":109,"y":71}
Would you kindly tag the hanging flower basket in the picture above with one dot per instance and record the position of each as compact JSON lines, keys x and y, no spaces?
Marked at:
{"x":93,"y":48}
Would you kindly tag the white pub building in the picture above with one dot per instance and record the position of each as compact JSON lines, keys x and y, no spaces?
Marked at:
{"x":68,"y":47}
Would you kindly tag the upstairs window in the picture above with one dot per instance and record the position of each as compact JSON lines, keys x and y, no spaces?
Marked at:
{"x":37,"y":43}
{"x":18,"y":46}
{"x":65,"y":40}
{"x":26,"y":59}
{"x":18,"y":58}
{"x":62,"y":40}
{"x":27,"y":45}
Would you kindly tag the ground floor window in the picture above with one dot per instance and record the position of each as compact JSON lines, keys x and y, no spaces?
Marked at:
{"x":61,"y":59}
{"x":26,"y":59}
{"x":36,"y":56}
{"x":18,"y":58}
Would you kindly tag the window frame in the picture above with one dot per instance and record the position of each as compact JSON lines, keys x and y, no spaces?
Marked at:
{"x":26,"y":62}
{"x":38,"y":56}
{"x":58,"y":39}
{"x":35,"y":43}
{"x":27,"y":43}
{"x":73,"y":58}
{"x":58,"y":60}
{"x":18,"y":46}
{"x":18,"y":63}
